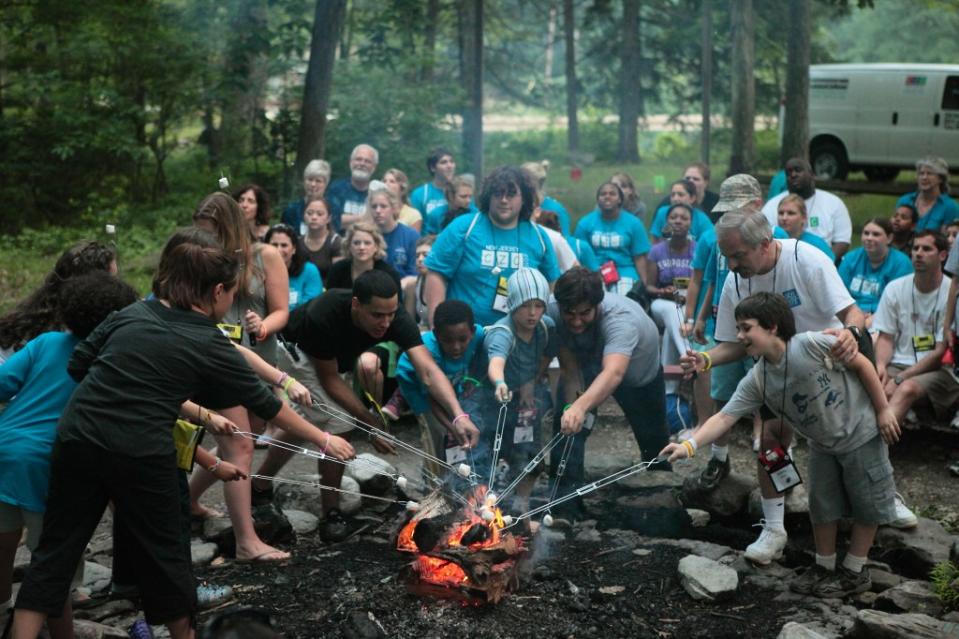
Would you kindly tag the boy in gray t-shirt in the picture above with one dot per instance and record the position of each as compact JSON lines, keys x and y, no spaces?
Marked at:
{"x":849,"y":473}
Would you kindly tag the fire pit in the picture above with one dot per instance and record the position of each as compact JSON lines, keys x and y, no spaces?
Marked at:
{"x":459,"y":553}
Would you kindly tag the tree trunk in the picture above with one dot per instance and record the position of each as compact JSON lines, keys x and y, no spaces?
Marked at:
{"x":346,"y":33}
{"x":429,"y":44}
{"x":630,"y":91}
{"x":550,"y":43}
{"x":742,"y":34}
{"x":327,"y":24}
{"x":572,"y":86}
{"x":706,"y":71}
{"x":471,"y":72}
{"x":796,"y":117}
{"x":242,"y":89}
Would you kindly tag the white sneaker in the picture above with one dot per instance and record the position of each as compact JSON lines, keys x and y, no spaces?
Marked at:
{"x":905,"y":518}
{"x":768,"y":547}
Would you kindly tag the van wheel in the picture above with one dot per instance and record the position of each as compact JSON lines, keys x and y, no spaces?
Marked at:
{"x":881,"y":173}
{"x":829,"y":161}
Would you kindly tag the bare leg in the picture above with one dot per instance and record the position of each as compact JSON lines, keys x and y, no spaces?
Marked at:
{"x":180,"y":628}
{"x":331,"y":474}
{"x":861,"y":538}
{"x":62,"y":628}
{"x":370,"y":376}
{"x":8,"y":551}
{"x":705,"y":408}
{"x":825,"y":537}
{"x":27,"y":624}
{"x":907,"y":394}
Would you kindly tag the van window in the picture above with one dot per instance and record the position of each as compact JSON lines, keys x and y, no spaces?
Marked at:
{"x":950,"y":97}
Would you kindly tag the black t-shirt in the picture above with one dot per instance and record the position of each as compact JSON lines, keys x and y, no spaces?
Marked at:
{"x":341,"y":274}
{"x":139,"y":366}
{"x":323,"y":328}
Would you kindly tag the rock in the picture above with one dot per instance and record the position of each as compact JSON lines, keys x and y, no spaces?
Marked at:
{"x":111,"y":608}
{"x":307,"y":498}
{"x":954,"y":552}
{"x":793,"y":630}
{"x":701,"y":548}
{"x":875,"y":624}
{"x":706,"y":579}
{"x":86,"y":629}
{"x":698,"y":518}
{"x":270,"y":524}
{"x":914,"y":552}
{"x":303,"y":522}
{"x":647,"y":480}
{"x":374,"y":475}
{"x":363,"y":625}
{"x":729,"y":498}
{"x":350,"y":504}
{"x":883,"y":580}
{"x":96,"y":577}
{"x":910,"y":596}
{"x":589,"y":535}
{"x":952,"y":617}
{"x":649,"y":498}
{"x":213,"y":527}
{"x":202,"y":552}
{"x":866,"y":599}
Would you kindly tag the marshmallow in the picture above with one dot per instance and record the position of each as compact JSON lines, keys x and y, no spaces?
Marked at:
{"x":490,"y":498}
{"x":463,"y":470}
{"x":401,"y":482}
{"x":548,"y":520}
{"x":224,"y":183}
{"x":111,"y":229}
{"x":507,"y":520}
{"x":412,"y":506}
{"x":487,"y":514}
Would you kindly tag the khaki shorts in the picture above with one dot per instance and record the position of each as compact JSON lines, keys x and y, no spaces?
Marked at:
{"x":305,"y":374}
{"x":940,"y":388}
{"x":857,"y":484}
{"x":14,"y":518}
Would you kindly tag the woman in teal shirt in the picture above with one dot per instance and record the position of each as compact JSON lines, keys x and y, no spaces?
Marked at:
{"x":867,"y":270}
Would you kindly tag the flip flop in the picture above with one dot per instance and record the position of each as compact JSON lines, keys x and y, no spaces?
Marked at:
{"x":264,"y":558}
{"x":208,"y":513}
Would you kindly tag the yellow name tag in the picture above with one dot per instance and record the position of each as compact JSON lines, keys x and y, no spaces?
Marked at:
{"x":186,"y":438}
{"x":923,"y":342}
{"x":500,"y":302}
{"x":233,"y":331}
{"x":681,"y":282}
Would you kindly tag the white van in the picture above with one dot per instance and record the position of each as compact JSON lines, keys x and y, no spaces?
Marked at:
{"x":881,"y":117}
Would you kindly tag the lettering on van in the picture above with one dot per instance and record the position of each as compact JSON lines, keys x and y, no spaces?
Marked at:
{"x":950,"y":120}
{"x":829,"y":88}
{"x":915,"y":85}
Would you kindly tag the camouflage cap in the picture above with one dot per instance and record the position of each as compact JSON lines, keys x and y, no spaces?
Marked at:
{"x":737,"y":191}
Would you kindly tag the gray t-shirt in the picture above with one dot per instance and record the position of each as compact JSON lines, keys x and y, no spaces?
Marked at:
{"x":621,"y":326}
{"x":952,"y":268}
{"x":825,"y":402}
{"x":522,"y":358}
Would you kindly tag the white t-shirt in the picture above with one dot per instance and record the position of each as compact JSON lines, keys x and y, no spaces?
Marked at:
{"x":565,"y":256}
{"x":904,"y":313}
{"x":804,"y":276}
{"x":826,"y":216}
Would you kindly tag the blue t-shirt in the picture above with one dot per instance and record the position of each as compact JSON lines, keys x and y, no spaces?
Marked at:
{"x":455,"y":370}
{"x":305,"y":286}
{"x":816,"y":241}
{"x":475,"y":257}
{"x":401,"y":249}
{"x":618,"y":240}
{"x":554,"y":205}
{"x":36,"y":383}
{"x":777,"y":185}
{"x":945,"y":210}
{"x":433,"y":221}
{"x":427,"y":197}
{"x":293,"y":215}
{"x":700,"y":223}
{"x":344,"y":198}
{"x":865,"y":283}
{"x":583,"y":252}
{"x":522,"y":358}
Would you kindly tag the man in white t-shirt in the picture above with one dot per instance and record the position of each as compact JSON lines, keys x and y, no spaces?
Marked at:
{"x":811,"y":285}
{"x":826,"y":214}
{"x":910,"y":323}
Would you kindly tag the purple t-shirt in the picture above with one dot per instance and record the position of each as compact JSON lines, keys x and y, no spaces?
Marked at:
{"x":669,"y":264}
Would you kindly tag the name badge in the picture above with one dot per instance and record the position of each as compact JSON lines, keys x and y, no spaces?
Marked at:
{"x":500,"y":302}
{"x":294,"y":297}
{"x":232,"y":331}
{"x":922,"y":343}
{"x":525,"y":419}
{"x":681,"y":282}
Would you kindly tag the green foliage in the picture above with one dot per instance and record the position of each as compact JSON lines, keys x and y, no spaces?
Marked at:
{"x":945,"y":583}
{"x":670,"y":145}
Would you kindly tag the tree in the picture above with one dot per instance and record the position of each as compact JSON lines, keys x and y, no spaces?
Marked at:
{"x":471,"y":74}
{"x":630,"y":92}
{"x":742,"y":34}
{"x":706,"y":72}
{"x":327,"y":25}
{"x":572,"y":88}
{"x":796,"y":119}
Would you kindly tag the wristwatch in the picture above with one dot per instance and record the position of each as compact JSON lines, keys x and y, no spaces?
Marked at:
{"x":856,"y":331}
{"x":897,"y":379}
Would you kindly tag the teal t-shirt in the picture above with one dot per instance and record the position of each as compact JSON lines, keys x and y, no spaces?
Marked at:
{"x":866,"y":283}
{"x":619,"y":239}
{"x":455,"y":370}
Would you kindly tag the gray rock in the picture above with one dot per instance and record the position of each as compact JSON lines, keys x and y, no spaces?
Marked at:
{"x":876,"y":624}
{"x":647,"y":480}
{"x":86,"y":629}
{"x":350,"y":504}
{"x":96,"y":577}
{"x":910,"y":596}
{"x":699,"y":518}
{"x":883,"y":580}
{"x":866,"y":599}
{"x":706,"y":579}
{"x":729,"y":498}
{"x":793,"y":630}
{"x":202,"y":552}
{"x":109,"y":609}
{"x":372,"y":473}
{"x":307,"y":498}
{"x":951,"y":617}
{"x":589,"y":535}
{"x":303,"y":522}
{"x":701,"y":548}
{"x":914,"y":552}
{"x":213,"y":527}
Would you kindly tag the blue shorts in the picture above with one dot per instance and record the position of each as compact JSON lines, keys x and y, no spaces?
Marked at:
{"x":726,"y":378}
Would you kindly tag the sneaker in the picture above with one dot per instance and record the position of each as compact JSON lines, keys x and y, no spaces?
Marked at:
{"x":210,"y":596}
{"x":713,"y":474}
{"x":842,"y":583}
{"x":807,"y":581}
{"x":905,"y":518}
{"x":140,"y":630}
{"x":954,"y":469}
{"x":334,"y":527}
{"x":768,"y":547}
{"x":396,"y":406}
{"x":260,"y":496}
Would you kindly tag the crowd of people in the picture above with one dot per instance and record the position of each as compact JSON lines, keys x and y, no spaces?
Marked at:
{"x":460,"y":303}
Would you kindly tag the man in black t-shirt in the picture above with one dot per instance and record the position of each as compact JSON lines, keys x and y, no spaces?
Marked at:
{"x":362,"y":331}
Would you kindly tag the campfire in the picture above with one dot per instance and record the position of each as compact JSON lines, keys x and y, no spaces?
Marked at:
{"x":461,"y":550}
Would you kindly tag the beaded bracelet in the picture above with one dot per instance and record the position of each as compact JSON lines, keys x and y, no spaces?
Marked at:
{"x":290,"y":380}
{"x":459,"y":417}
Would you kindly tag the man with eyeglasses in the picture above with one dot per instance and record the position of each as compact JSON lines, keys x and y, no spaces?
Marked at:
{"x":347,"y":196}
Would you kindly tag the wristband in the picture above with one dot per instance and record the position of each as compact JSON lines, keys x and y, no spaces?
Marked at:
{"x":709,"y":361}
{"x":566,"y":407}
{"x":282,"y":378}
{"x":459,"y":417}
{"x":498,"y":382}
{"x":290,"y":380}
{"x":215,"y":465}
{"x":690,"y":449}
{"x":690,"y":320}
{"x":327,"y":444}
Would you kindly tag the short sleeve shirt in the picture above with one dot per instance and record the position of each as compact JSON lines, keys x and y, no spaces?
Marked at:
{"x":455,"y":370}
{"x":344,"y":198}
{"x":945,"y":210}
{"x":700,"y":223}
{"x":617,"y":240}
{"x":401,"y":249}
{"x":905,"y":312}
{"x":866,"y":283}
{"x":522,"y":358}
{"x":826,"y":216}
{"x":426,"y":197}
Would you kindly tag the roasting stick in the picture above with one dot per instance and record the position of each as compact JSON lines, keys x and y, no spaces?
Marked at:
{"x":497,"y":442}
{"x":463,"y":470}
{"x":409,"y":504}
{"x":588,"y":488}
{"x":561,"y":468}
{"x":533,"y":463}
